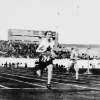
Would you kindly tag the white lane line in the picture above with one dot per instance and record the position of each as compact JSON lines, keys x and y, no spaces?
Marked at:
{"x":23,"y":88}
{"x":43,"y":77}
{"x":73,"y":76}
{"x":23,"y":76}
{"x":66,"y":77}
{"x":82,"y":80}
{"x":4,"y":87}
{"x":23,"y":81}
{"x":84,"y":87}
{"x":53,"y":88}
{"x":43,"y":89}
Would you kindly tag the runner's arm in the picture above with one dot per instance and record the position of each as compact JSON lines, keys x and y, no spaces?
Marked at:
{"x":41,"y":47}
{"x":52,"y":50}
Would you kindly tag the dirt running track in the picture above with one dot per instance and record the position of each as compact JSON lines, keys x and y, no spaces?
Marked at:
{"x":21,"y":84}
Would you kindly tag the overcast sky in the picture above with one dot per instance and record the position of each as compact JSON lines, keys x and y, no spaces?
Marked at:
{"x":76,"y":21}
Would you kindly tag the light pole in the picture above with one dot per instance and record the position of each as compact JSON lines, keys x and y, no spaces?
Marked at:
{"x":88,"y":71}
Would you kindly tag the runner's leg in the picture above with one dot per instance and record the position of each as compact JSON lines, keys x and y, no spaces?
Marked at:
{"x":76,"y":70}
{"x":50,"y":70}
{"x":38,"y":72}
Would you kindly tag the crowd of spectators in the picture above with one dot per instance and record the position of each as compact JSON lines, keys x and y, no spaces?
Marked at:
{"x":13,"y":65}
{"x":22,"y":50}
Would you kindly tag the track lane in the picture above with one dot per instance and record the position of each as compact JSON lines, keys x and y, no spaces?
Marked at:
{"x":14,"y":83}
{"x":55,"y":84}
{"x":84,"y":78}
{"x":55,"y":81}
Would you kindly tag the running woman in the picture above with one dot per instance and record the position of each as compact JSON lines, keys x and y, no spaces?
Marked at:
{"x":45,"y":49}
{"x":74,"y":58}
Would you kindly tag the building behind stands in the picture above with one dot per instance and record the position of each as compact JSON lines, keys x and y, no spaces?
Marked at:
{"x":28,"y":36}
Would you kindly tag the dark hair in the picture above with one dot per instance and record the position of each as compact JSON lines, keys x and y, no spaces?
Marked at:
{"x":72,"y":48}
{"x":47,"y":32}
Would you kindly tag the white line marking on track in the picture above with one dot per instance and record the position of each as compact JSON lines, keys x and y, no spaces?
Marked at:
{"x":23,"y":81}
{"x":84,"y":87}
{"x":38,"y":79}
{"x":23,"y":88}
{"x":62,"y":79}
{"x":4,"y":87}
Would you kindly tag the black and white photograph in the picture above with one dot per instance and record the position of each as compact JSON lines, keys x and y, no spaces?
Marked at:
{"x":50,"y":50}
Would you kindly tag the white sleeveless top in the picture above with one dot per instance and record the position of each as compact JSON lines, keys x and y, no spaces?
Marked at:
{"x":45,"y":44}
